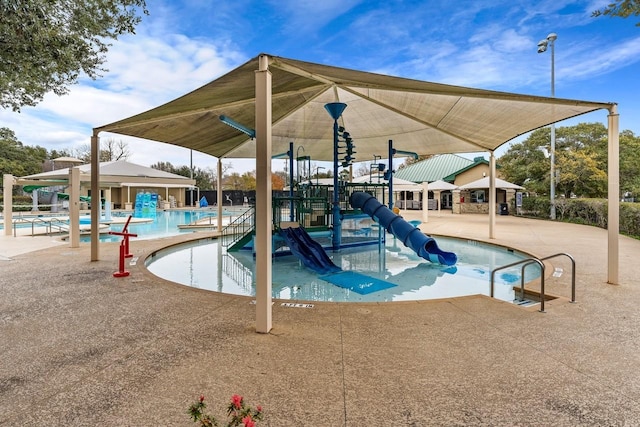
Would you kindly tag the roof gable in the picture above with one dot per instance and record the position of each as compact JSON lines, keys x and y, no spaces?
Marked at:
{"x":434,"y":168}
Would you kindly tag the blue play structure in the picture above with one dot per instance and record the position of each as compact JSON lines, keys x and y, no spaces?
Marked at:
{"x":146,"y":204}
{"x":313,"y":256}
{"x":308,"y":250}
{"x":425,"y":246}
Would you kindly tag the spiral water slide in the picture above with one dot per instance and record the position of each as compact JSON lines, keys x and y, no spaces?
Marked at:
{"x":425,"y":246}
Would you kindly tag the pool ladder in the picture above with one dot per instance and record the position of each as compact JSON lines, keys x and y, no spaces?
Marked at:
{"x":529,"y":261}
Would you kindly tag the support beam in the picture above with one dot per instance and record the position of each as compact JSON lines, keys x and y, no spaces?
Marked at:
{"x":7,"y":185}
{"x":95,"y":198}
{"x":219,"y":194}
{"x":263,"y":196}
{"x":425,"y":202}
{"x":613,"y":218}
{"x":492,"y":195}
{"x":74,"y":207}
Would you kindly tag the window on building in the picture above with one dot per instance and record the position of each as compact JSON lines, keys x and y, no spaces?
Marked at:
{"x":478,"y":196}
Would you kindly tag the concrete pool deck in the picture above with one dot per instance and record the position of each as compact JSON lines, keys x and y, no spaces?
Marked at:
{"x":80,"y":347}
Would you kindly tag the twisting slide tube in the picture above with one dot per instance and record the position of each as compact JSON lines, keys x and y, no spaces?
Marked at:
{"x":425,"y":246}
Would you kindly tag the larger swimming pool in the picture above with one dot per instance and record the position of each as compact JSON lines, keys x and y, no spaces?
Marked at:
{"x":206,"y":265}
{"x":163,"y":223}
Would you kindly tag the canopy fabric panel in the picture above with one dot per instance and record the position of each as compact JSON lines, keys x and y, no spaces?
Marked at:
{"x":421,"y":117}
{"x":484,"y":183}
{"x":440,"y":185}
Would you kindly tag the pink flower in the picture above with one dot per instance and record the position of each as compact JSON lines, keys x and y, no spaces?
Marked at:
{"x":259,"y":408}
{"x":248,"y":422}
{"x":236,"y":400}
{"x":201,"y":398}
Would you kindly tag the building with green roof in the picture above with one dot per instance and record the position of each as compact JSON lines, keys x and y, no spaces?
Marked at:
{"x":434,"y":168}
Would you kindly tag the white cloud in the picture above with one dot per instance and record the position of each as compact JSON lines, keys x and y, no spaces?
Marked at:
{"x":143,"y":72}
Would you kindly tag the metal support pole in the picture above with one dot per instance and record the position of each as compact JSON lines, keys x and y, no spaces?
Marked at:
{"x":337,"y":226}
{"x":291,"y":212}
{"x":391,"y":153}
{"x":552,"y":180}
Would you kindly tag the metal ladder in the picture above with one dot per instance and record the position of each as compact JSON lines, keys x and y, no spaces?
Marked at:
{"x":529,"y":261}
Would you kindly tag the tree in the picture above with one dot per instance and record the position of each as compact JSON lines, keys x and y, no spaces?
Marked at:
{"x":233,"y":181}
{"x":277,"y":181}
{"x":46,"y":45}
{"x":17,"y":159}
{"x":580,"y":174}
{"x":629,"y":163}
{"x":581,"y":161}
{"x":621,"y":9}
{"x":248,"y":181}
{"x":110,"y":151}
{"x":206,"y":179}
{"x":410,"y":160}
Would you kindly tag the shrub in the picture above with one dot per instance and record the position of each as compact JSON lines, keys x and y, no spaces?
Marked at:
{"x":585,"y":211}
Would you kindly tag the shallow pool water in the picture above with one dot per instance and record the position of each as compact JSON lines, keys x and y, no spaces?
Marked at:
{"x":205,"y":264}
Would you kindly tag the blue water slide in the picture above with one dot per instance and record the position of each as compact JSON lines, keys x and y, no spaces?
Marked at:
{"x":310,"y":252}
{"x":425,"y":246}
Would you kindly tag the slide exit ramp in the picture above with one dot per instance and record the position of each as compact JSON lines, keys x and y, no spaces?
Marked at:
{"x":310,"y":252}
{"x":425,"y":246}
{"x":313,"y":256}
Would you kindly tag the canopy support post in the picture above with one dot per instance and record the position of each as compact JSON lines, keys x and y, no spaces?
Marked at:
{"x":263,"y":196}
{"x":95,"y":197}
{"x":74,"y":208}
{"x":613,"y":219}
{"x":7,"y":185}
{"x":219,"y":195}
{"x":492,"y":195}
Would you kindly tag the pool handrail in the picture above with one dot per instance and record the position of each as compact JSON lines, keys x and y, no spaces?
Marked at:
{"x":529,"y":261}
{"x":573,"y":271}
{"x":238,"y":228}
{"x":513,"y":264}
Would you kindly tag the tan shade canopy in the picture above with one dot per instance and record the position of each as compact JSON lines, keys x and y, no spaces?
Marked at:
{"x":420,"y":117}
{"x":485,"y":183}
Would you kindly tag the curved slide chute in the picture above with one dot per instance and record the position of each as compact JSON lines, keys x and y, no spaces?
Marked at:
{"x":425,"y":246}
{"x":308,"y":250}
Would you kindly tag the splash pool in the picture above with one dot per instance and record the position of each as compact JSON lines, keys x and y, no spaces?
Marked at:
{"x":206,"y":265}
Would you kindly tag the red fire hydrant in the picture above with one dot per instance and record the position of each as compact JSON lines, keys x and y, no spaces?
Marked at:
{"x":124,"y":249}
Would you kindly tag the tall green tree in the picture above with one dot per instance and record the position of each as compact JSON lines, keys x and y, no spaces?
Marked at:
{"x":581,"y":161}
{"x":18,"y":159}
{"x":46,"y":45}
{"x":620,"y":8}
{"x":630,"y":163}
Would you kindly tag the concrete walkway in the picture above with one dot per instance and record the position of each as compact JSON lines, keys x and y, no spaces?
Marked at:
{"x":80,"y":347}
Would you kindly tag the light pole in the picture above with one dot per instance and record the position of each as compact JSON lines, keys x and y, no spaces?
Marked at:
{"x":542,"y":47}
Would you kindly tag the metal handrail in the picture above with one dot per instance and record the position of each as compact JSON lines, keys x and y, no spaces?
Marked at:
{"x":48,"y":224}
{"x":529,"y":261}
{"x":522,"y":278}
{"x":513,"y":264}
{"x":238,"y":228}
{"x":573,"y":272}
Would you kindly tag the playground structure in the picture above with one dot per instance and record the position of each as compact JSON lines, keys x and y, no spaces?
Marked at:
{"x":317,"y":207}
{"x":425,"y":246}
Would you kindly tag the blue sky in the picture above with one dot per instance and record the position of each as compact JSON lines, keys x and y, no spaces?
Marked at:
{"x":488,"y":44}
